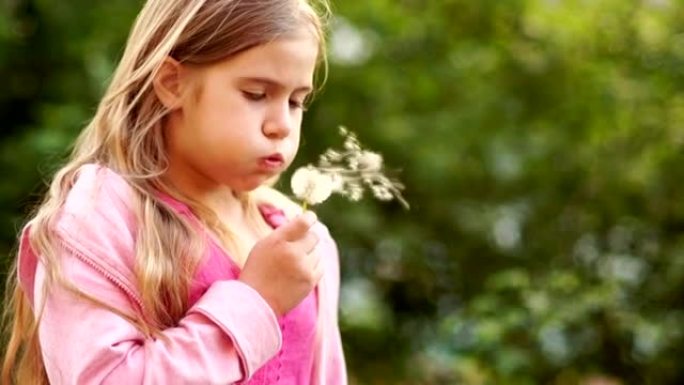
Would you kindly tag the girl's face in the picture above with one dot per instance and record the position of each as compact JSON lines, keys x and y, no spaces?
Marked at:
{"x":240,"y":125}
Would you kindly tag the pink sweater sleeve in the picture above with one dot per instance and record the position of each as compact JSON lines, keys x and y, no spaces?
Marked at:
{"x":330,"y":366}
{"x":229,"y":333}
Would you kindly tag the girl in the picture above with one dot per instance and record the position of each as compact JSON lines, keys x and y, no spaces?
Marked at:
{"x":159,"y":255}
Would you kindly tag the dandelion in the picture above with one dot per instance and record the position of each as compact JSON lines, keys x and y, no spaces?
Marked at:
{"x":311,"y":185}
{"x":348,"y":172}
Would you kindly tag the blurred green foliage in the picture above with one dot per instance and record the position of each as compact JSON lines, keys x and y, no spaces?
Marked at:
{"x":540,"y":141}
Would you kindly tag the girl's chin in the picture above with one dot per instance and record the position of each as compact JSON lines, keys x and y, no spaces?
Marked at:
{"x":253,"y":184}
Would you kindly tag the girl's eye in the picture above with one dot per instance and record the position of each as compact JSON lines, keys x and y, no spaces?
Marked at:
{"x":254,"y":96}
{"x":297,"y":104}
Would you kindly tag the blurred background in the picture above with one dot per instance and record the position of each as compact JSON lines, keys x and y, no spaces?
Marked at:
{"x":541,"y":145}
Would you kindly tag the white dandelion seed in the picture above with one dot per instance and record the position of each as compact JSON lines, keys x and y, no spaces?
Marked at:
{"x":371,"y":161}
{"x":337,"y":182}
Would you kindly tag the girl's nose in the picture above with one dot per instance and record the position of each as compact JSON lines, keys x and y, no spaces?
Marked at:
{"x":278,"y":123}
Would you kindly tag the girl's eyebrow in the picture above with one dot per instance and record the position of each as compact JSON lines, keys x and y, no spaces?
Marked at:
{"x":273,"y":83}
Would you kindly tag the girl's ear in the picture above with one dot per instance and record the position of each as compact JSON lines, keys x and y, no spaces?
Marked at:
{"x":168,"y":83}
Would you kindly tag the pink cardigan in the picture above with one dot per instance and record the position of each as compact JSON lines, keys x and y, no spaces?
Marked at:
{"x":223,"y":339}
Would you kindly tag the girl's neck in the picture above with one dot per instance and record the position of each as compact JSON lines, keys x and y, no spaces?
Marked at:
{"x":238,"y":228}
{"x":220,"y":199}
{"x":228,"y":224}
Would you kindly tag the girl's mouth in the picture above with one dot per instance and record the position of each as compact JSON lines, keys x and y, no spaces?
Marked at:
{"x":272,"y":162}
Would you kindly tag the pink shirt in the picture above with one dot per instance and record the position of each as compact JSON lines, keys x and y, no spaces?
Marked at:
{"x":293,"y":365}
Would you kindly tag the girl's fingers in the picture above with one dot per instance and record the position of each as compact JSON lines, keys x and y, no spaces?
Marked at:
{"x":307,"y":243}
{"x":298,"y":227}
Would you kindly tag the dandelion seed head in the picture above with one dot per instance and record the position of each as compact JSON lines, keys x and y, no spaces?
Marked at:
{"x":311,"y":185}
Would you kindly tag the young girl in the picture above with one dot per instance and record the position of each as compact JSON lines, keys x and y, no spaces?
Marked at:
{"x":160,"y":255}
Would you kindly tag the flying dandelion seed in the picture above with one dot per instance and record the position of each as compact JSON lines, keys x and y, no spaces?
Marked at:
{"x":348,"y":172}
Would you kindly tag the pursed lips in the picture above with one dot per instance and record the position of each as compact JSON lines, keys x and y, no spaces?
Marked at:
{"x":272,"y":162}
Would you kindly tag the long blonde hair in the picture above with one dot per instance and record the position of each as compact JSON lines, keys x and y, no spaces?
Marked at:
{"x":125,"y":135}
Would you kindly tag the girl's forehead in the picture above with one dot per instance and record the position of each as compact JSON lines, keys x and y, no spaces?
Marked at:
{"x":292,"y":56}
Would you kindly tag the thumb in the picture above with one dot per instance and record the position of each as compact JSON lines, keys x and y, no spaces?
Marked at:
{"x":298,"y":227}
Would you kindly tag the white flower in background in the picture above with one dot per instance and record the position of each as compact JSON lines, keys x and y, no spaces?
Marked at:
{"x":348,"y":172}
{"x":311,"y":186}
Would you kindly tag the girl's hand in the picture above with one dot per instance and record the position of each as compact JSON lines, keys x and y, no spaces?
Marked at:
{"x":282,"y":267}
